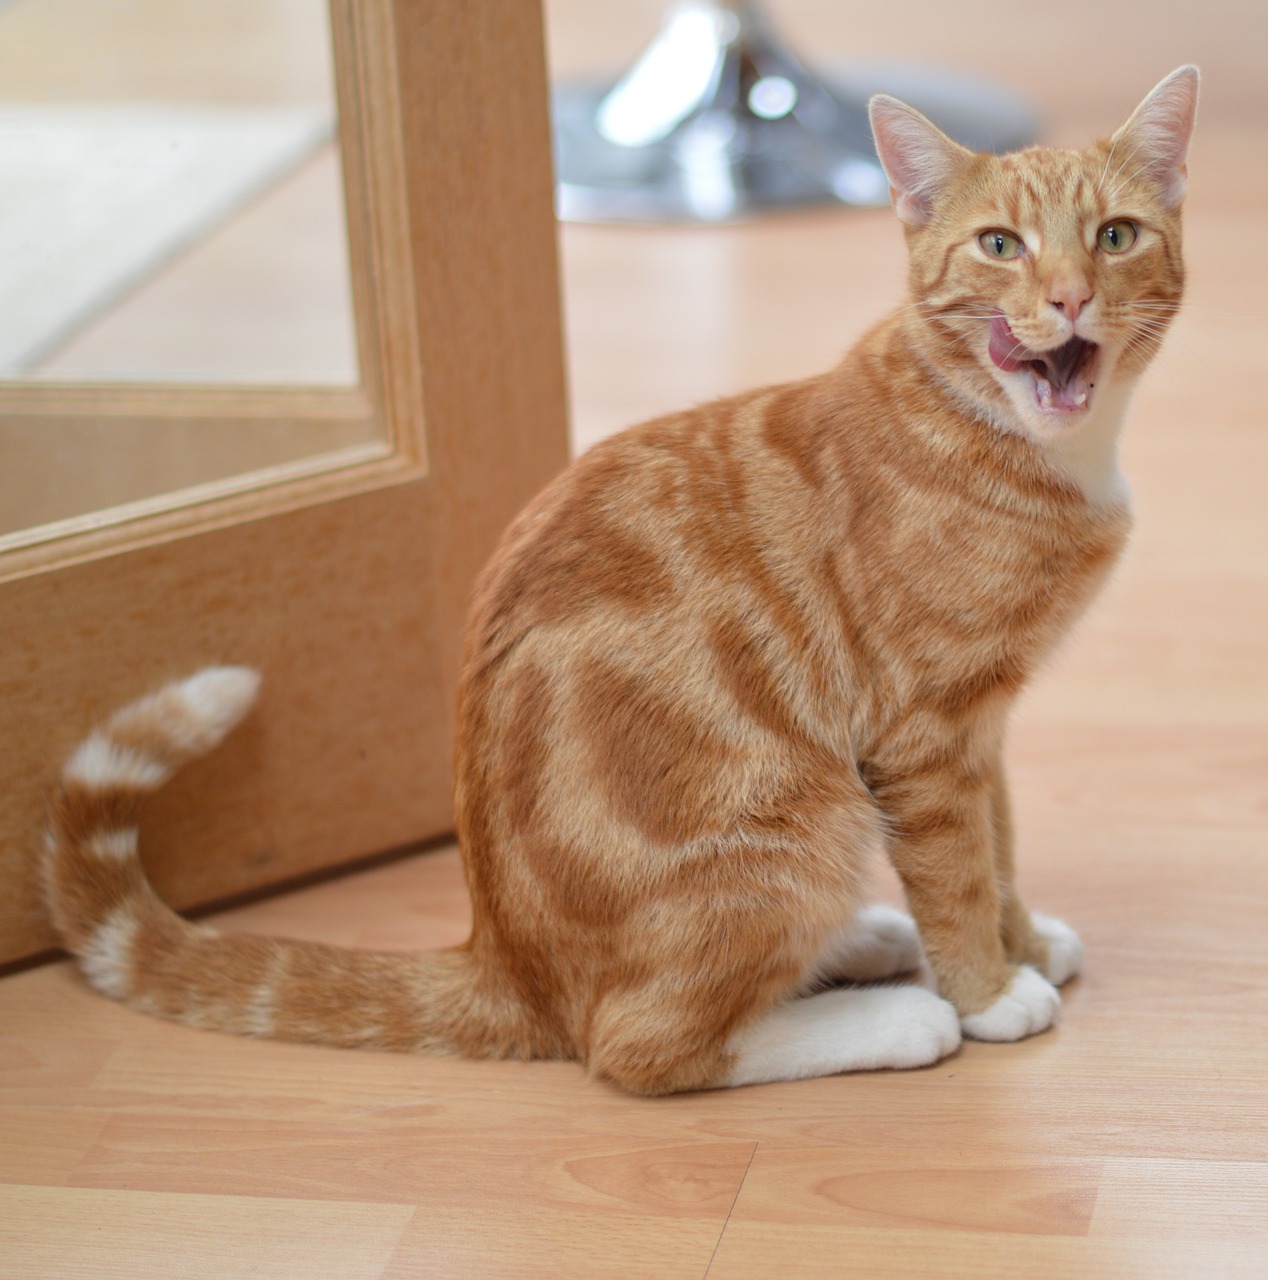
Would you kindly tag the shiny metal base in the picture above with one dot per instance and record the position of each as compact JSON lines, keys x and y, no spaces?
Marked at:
{"x":718,"y":121}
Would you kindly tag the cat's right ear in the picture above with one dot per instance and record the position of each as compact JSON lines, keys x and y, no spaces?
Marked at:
{"x":918,"y":158}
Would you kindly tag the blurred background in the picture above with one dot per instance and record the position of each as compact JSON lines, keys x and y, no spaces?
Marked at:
{"x":783,"y":297}
{"x":227,"y":264}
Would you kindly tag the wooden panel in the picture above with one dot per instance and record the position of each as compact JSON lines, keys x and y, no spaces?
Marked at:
{"x":331,"y":602}
{"x":65,"y":468}
{"x":104,"y":1235}
{"x":348,"y":587}
{"x":486,"y":274}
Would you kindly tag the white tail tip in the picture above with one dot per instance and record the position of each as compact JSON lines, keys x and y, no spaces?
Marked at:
{"x":143,"y":743}
{"x":219,"y":697}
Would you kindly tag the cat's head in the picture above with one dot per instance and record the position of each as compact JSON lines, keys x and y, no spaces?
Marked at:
{"x":1044,"y":279}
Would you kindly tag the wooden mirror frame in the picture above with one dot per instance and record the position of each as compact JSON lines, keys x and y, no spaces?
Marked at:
{"x":344,"y":577}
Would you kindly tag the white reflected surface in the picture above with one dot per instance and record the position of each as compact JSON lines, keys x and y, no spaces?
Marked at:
{"x":172,"y":235}
{"x":146,"y":149}
{"x":100,"y":199}
{"x":772,"y":97}
{"x":671,"y":79}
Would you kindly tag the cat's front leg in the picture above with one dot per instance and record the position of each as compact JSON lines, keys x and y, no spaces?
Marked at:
{"x":941,"y":811}
{"x":1043,"y":942}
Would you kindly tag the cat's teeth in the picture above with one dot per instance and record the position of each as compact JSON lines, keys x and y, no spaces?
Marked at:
{"x":1080,"y":400}
{"x":1044,"y":388}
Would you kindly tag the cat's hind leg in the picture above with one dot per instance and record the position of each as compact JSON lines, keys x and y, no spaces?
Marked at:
{"x":686,"y":1028}
{"x":704,"y":989}
{"x":644,"y":1043}
{"x":859,"y":1029}
{"x":880,"y":942}
{"x":1053,"y":948}
{"x":1045,"y":943}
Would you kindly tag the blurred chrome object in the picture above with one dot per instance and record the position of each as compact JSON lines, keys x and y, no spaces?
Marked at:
{"x":718,"y":120}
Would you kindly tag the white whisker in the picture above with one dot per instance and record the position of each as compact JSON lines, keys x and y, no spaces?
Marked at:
{"x":1114,"y":181}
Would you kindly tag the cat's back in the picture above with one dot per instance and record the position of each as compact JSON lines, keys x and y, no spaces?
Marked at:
{"x":673,"y":515}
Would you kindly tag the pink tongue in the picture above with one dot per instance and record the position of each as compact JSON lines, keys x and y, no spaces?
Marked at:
{"x":1006,"y":350}
{"x":1010,"y":355}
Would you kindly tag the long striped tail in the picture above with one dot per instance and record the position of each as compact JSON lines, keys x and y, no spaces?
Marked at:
{"x":132,"y":947}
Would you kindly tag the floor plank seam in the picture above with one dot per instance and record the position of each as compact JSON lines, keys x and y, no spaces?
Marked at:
{"x":731,"y":1210}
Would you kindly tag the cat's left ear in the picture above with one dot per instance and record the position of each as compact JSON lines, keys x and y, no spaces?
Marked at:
{"x":1158,"y":134}
{"x":918,"y":158}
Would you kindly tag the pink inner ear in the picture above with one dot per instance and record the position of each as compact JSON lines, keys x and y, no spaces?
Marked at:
{"x":1160,"y":129}
{"x":917,"y":157}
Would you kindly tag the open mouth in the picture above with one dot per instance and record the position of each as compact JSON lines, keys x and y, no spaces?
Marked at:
{"x":1063,"y":377}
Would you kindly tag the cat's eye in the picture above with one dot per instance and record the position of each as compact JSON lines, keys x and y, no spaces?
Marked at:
{"x":1000,"y":245}
{"x":1116,"y":237}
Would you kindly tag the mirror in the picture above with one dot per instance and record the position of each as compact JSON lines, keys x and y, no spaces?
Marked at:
{"x":173,"y":216}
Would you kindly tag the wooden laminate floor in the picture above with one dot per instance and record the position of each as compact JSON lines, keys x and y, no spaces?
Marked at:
{"x":1132,"y":1141}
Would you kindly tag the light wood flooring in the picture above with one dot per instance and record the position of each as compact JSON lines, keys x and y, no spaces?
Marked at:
{"x":1132,"y":1141}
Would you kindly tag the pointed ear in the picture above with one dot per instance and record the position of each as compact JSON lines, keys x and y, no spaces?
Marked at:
{"x":918,"y":158}
{"x":1158,"y":134}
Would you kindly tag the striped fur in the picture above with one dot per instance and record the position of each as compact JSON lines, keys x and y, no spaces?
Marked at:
{"x":721,"y":660}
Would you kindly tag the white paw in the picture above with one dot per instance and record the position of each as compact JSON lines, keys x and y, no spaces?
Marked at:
{"x":1029,"y":1005}
{"x":856,"y":1029}
{"x":878,"y":943}
{"x":887,"y":940}
{"x":1065,"y":951}
{"x":930,"y":1031}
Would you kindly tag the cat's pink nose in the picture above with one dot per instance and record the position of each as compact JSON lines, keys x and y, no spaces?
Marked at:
{"x":1070,"y":298}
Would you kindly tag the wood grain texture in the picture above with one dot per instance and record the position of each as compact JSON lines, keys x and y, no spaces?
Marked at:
{"x":346,"y":587}
{"x":43,"y":1235}
{"x":300,"y":787}
{"x":1128,"y":1142}
{"x":68,"y":469}
{"x":1139,"y":763}
{"x":488,"y":316}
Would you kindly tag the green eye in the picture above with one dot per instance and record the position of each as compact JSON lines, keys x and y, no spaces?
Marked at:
{"x":1000,"y":245}
{"x":1116,"y":237}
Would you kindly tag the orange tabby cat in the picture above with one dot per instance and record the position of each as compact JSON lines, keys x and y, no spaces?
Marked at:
{"x":725,"y":656}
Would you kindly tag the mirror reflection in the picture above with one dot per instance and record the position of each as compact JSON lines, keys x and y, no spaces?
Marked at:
{"x":172,"y":205}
